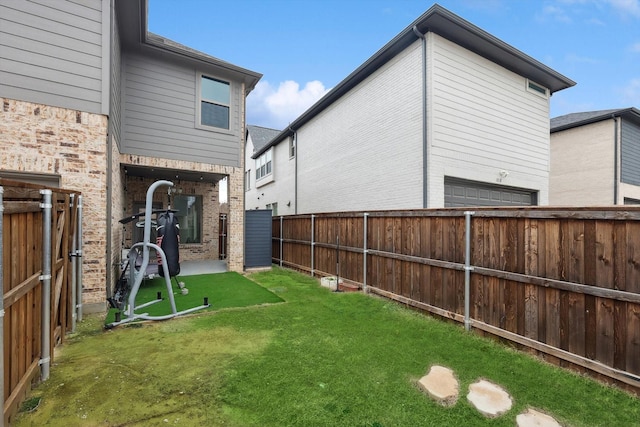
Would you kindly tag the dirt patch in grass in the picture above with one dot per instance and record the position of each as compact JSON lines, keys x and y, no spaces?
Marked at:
{"x":150,"y":375}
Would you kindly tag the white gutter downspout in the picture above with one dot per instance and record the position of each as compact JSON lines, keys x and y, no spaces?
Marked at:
{"x":425,"y":193}
{"x":294,"y":140}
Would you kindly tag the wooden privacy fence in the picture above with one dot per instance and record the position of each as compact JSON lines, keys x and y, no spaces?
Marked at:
{"x":39,"y":276}
{"x":563,"y":282}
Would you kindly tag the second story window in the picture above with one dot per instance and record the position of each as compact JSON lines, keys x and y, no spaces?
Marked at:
{"x":263,"y":165}
{"x":292,"y":146}
{"x":214,"y":102}
{"x":247,"y":180}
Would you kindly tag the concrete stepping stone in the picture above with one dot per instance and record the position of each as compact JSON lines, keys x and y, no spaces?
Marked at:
{"x":488,"y":398}
{"x":533,"y":418}
{"x":441,"y":384}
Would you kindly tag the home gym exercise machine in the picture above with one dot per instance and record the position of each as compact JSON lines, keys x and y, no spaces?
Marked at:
{"x":132,"y":276}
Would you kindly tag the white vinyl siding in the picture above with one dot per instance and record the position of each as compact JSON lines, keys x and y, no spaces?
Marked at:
{"x":53,"y":53}
{"x":482,"y":120}
{"x":582,"y":165}
{"x":160,"y":110}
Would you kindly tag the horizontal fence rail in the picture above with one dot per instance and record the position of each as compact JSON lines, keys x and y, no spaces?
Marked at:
{"x":562,"y":282}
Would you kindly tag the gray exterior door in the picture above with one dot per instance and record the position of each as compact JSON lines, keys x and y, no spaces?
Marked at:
{"x":257,"y":243}
{"x":461,"y":193}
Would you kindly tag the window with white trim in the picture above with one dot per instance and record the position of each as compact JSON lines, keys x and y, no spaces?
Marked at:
{"x":214,"y":102}
{"x":292,"y":146}
{"x":274,"y":208}
{"x":263,"y":165}
{"x":247,"y":180}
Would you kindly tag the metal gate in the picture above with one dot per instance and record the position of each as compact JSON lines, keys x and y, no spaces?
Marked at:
{"x":257,"y":244}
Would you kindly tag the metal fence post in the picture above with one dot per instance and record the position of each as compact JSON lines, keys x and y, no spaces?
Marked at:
{"x":45,"y":357}
{"x":313,"y":242}
{"x":467,"y":268}
{"x":364,"y":255}
{"x":79,"y":262}
{"x":281,"y":231}
{"x":74,"y":269}
{"x":1,"y":307}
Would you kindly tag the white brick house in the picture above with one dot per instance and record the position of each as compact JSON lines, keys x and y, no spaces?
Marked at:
{"x":445,"y":114}
{"x":595,"y":158}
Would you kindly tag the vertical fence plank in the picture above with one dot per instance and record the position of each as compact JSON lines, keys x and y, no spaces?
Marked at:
{"x":448,"y":254}
{"x":574,"y":261}
{"x":552,"y":263}
{"x":425,"y":252}
{"x":632,"y":363}
{"x":591,"y":260}
{"x":436,"y":253}
{"x":477,"y":283}
{"x":531,"y":268}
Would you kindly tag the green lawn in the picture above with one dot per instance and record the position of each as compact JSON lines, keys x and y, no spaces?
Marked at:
{"x":320,"y":359}
{"x":222,"y":290}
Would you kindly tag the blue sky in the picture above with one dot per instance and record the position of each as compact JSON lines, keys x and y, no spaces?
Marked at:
{"x":303,"y":48}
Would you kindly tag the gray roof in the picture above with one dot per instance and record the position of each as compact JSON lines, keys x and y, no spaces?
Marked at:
{"x":454,"y":28}
{"x":261,"y":136}
{"x":572,"y":120}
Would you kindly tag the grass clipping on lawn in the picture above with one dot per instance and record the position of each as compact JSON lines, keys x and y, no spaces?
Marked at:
{"x":223,"y":290}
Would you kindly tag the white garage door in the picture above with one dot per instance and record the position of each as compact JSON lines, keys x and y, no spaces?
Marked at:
{"x":460,"y":193}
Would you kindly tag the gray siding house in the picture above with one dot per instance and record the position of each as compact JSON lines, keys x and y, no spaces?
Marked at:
{"x":445,"y":114}
{"x":595,"y":158}
{"x":93,"y":102}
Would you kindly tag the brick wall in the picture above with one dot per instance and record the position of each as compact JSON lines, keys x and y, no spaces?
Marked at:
{"x":208,"y":248}
{"x":43,"y":139}
{"x":235,"y":195}
{"x":38,"y":138}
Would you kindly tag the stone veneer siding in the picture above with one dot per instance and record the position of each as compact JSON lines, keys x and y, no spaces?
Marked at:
{"x":39,"y":138}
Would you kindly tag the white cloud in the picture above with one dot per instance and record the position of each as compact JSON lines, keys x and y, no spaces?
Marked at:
{"x":555,"y":13}
{"x":277,"y":107}
{"x":627,"y":7}
{"x":635,"y":47}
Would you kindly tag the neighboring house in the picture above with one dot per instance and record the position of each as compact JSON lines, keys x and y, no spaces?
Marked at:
{"x":92,"y":101}
{"x":595,"y":158}
{"x":445,"y":114}
{"x":261,"y":169}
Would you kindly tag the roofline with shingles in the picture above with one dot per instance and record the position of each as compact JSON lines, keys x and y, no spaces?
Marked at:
{"x":631,"y":113}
